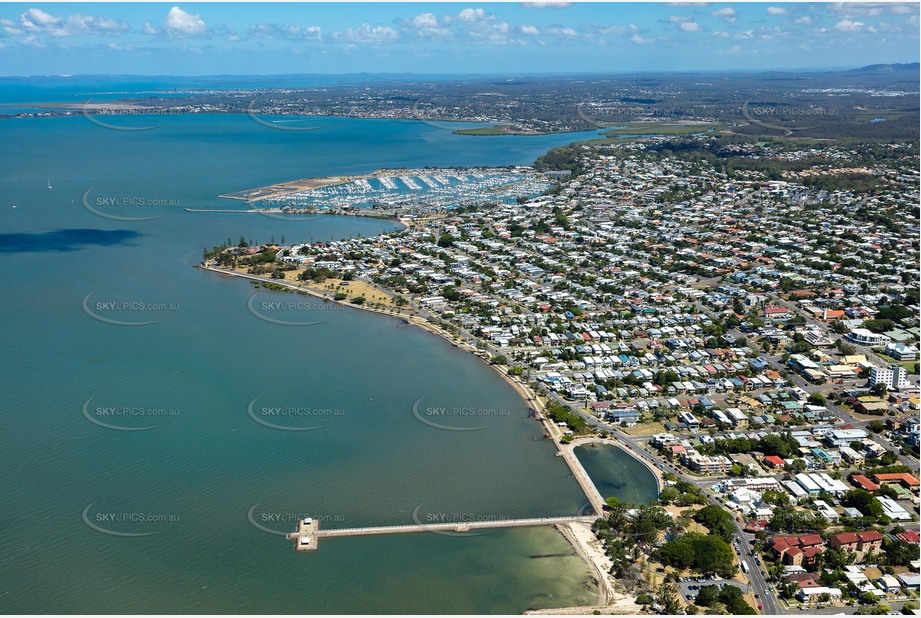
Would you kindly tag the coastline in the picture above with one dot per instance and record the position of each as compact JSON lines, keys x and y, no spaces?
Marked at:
{"x":589,"y":548}
{"x":579,"y":535}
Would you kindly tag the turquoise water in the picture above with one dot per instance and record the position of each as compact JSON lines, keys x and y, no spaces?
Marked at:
{"x":618,"y":474}
{"x":196,"y":479}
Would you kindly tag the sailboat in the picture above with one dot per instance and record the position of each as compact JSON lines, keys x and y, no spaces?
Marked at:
{"x":49,"y":184}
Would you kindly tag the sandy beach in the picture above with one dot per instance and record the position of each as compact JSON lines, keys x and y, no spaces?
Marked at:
{"x":610,"y":602}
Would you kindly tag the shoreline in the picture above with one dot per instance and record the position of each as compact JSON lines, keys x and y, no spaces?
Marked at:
{"x":610,"y":602}
{"x":579,"y":536}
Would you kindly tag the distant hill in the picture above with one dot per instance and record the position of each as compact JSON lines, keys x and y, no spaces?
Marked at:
{"x":888,"y":68}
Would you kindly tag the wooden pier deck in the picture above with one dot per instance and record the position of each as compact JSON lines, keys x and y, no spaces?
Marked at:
{"x":307,"y":535}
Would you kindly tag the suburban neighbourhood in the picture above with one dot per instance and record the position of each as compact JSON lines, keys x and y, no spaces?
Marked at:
{"x":743,"y":316}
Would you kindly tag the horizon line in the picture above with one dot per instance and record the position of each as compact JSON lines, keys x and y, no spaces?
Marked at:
{"x":825,"y":69}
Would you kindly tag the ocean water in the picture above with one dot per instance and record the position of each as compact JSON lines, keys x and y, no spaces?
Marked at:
{"x":147,"y":431}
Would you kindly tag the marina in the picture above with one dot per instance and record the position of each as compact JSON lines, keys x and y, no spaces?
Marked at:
{"x":416,"y":189}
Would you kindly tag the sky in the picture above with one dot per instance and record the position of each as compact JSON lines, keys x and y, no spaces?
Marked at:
{"x":452,"y":38}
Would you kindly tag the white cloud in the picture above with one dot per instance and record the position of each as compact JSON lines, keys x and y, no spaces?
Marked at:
{"x":849,"y":26}
{"x":471,"y":15}
{"x":690,"y":26}
{"x":678,"y":19}
{"x":287,"y":31}
{"x":531,"y":30}
{"x":148,"y":29}
{"x":425,"y":20}
{"x":182,"y":23}
{"x":561,"y":32}
{"x":86,"y":24}
{"x":639,"y":40}
{"x":367,"y":33}
{"x":848,"y":10}
{"x":231,"y":34}
{"x":545,"y":5}
{"x":617,"y":29}
{"x":776,"y":10}
{"x":426,"y":25}
{"x":10,"y":27}
{"x":37,"y":22}
{"x":37,"y":19}
{"x":728,"y":14}
{"x":721,"y":35}
{"x":804,"y":20}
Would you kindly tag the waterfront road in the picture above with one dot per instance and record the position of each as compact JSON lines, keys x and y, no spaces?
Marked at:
{"x":756,"y":576}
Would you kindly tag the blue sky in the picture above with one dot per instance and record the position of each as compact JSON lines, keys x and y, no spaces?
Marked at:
{"x":424,"y":37}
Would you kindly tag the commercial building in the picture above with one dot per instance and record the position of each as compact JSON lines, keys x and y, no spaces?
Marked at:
{"x":862,"y":336}
{"x":893,"y":376}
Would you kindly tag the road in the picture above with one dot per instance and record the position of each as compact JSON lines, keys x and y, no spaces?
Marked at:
{"x":755,"y":576}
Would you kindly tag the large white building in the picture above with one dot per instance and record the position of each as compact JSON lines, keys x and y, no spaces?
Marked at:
{"x":862,"y":336}
{"x":901,"y":352}
{"x":893,"y":376}
{"x":812,"y":595}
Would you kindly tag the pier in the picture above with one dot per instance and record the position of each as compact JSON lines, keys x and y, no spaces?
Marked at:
{"x":308,"y":533}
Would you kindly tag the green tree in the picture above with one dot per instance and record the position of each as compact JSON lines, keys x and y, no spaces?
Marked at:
{"x":647,"y":522}
{"x":707,"y":596}
{"x":717,"y":520}
{"x":863,"y":501}
{"x":878,"y":326}
{"x":669,"y":599}
{"x":714,"y":555}
{"x":669,"y":495}
{"x":876,"y":426}
{"x":645,"y":599}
